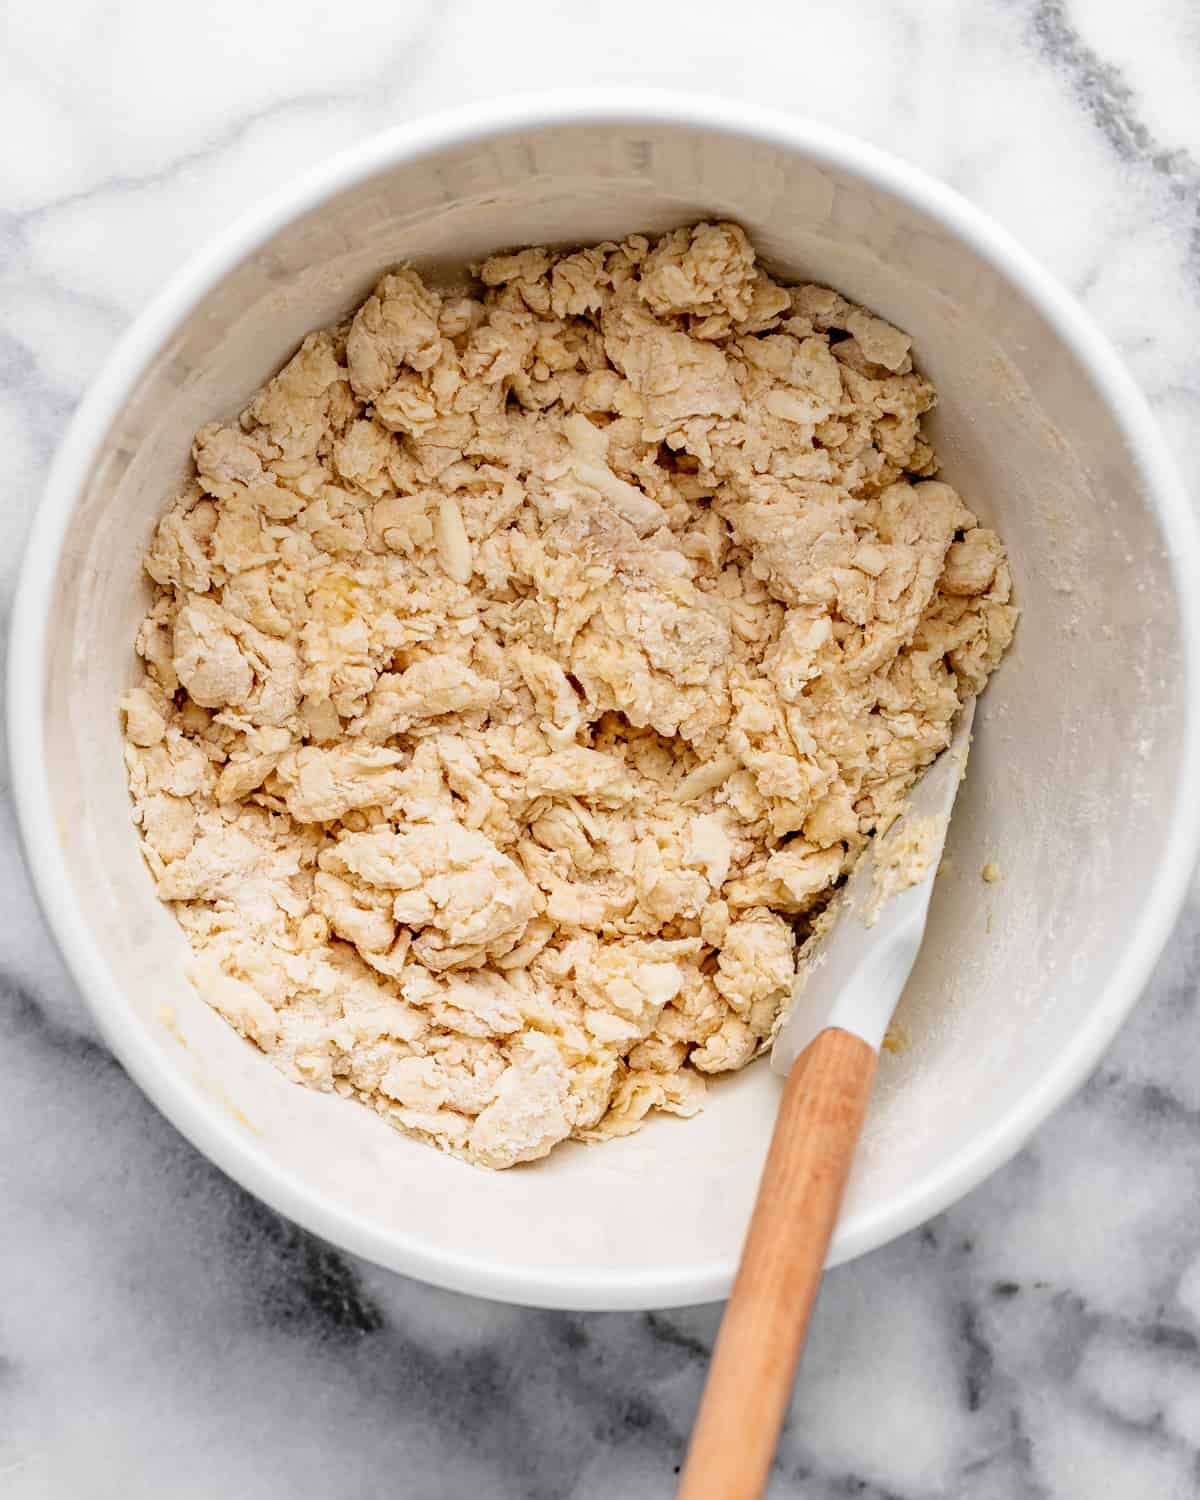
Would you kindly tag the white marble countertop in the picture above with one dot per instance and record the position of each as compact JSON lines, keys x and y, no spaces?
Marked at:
{"x":161,"y":1333}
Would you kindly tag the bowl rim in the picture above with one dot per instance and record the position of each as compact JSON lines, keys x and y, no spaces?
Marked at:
{"x":580,"y":1287}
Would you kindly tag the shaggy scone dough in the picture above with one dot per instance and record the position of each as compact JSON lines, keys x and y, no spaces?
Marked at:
{"x":526,"y":665}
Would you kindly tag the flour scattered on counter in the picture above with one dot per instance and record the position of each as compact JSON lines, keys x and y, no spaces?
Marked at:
{"x":526,"y":665}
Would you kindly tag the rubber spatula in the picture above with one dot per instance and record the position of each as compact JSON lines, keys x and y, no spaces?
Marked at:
{"x":850,"y":980}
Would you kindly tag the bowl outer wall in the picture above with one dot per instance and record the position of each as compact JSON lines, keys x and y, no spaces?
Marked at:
{"x":207,"y":1128}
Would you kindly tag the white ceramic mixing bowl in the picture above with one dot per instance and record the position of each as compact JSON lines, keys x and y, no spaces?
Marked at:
{"x":1084,"y":779}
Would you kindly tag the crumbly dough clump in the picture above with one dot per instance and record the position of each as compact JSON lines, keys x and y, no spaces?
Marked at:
{"x":527,"y":663}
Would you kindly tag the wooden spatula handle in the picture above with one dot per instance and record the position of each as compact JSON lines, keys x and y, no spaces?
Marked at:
{"x":819,"y":1122}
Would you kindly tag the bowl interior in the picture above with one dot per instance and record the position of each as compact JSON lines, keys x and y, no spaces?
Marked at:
{"x":1071,"y":789}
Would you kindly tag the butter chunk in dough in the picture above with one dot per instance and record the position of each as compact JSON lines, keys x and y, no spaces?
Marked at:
{"x":527,"y":664}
